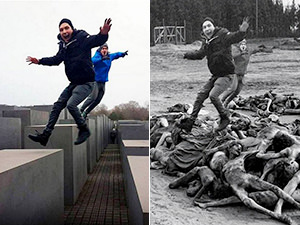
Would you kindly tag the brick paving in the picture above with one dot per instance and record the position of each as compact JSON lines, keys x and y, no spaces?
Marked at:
{"x":102,"y":199}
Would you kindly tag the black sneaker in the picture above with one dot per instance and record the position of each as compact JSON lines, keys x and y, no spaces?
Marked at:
{"x":42,"y":138}
{"x":83,"y":134}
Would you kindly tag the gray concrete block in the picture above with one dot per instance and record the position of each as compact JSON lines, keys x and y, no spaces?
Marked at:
{"x":75,"y":157}
{"x":100,"y":136}
{"x":28,"y":117}
{"x":48,"y":108}
{"x":91,"y":145}
{"x":136,"y":174}
{"x":10,"y":133}
{"x":134,"y":131}
{"x":31,"y":187}
{"x":67,"y":121}
{"x":5,"y":108}
{"x":135,"y":147}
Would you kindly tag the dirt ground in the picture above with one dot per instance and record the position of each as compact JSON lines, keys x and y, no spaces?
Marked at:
{"x":177,"y":80}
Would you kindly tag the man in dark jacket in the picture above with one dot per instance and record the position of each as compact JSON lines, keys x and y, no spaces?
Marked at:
{"x":216,"y":46}
{"x":75,"y":51}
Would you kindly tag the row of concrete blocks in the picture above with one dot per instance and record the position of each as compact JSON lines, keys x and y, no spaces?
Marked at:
{"x":35,"y":183}
{"x":135,"y":164}
{"x":13,"y":123}
{"x":22,"y":182}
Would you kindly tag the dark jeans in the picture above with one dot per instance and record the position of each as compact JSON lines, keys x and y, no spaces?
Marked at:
{"x":95,"y":97}
{"x":212,"y":89}
{"x":71,"y":97}
{"x":234,"y":90}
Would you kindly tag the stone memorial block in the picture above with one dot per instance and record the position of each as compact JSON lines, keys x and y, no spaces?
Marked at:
{"x":10,"y":133}
{"x":75,"y":157}
{"x":28,"y":117}
{"x":31,"y":187}
{"x":137,"y":189}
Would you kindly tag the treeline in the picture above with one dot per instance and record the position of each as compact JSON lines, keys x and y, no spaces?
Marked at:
{"x":127,"y":111}
{"x":274,"y":20}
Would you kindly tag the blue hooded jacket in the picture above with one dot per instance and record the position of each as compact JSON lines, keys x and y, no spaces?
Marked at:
{"x":102,"y":64}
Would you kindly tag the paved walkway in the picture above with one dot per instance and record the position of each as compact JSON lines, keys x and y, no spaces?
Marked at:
{"x":102,"y":199}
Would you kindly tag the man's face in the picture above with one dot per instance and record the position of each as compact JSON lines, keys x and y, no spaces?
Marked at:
{"x":104,"y":51}
{"x":65,"y":31}
{"x":208,"y":29}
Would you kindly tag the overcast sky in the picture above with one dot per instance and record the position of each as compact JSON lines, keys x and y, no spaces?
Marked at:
{"x":30,"y":28}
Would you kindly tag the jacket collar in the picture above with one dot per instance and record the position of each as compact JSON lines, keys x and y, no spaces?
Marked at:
{"x":213,"y":37}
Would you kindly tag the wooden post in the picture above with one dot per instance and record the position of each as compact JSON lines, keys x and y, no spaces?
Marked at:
{"x":165,"y":31}
{"x":176,"y":33}
{"x":184,"y":31}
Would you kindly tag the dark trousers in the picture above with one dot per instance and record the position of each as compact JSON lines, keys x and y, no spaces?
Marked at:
{"x":71,"y":97}
{"x":212,"y":89}
{"x":95,"y":97}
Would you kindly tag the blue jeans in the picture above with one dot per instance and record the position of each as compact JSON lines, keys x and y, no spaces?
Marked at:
{"x":95,"y":97}
{"x":71,"y":97}
{"x":212,"y":89}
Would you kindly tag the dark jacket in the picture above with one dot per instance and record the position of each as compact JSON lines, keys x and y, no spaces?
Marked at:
{"x":217,"y":50}
{"x":76,"y":55}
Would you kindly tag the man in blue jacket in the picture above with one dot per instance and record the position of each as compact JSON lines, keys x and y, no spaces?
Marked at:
{"x":216,"y":47}
{"x":75,"y":51}
{"x":102,"y":62}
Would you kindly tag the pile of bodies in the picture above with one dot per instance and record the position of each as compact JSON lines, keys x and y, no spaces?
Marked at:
{"x":269,"y":103}
{"x":256,"y":163}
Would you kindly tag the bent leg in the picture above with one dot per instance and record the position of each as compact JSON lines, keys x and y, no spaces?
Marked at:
{"x":184,"y":180}
{"x":231,"y":89}
{"x":259,"y":184}
{"x":250,"y":203}
{"x":289,"y":189}
{"x":202,"y":96}
{"x":97,"y":100}
{"x":220,"y":85}
{"x":79,"y":93}
{"x":91,"y":97}
{"x":58,"y":106}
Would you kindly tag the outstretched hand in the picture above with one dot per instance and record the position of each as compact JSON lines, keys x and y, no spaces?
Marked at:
{"x":32,"y":60}
{"x":245,"y":24}
{"x":106,"y":26}
{"x":126,"y":52}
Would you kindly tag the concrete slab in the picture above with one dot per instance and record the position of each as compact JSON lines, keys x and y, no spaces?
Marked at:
{"x":10,"y":133}
{"x":28,"y":117}
{"x":134,"y":131}
{"x":75,"y":157}
{"x":137,"y":190}
{"x":31,"y":187}
{"x":136,"y":143}
{"x":91,"y":145}
{"x":99,"y":136}
{"x":135,"y":147}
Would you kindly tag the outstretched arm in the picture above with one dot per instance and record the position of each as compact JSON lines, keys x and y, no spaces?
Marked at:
{"x":32,"y":60}
{"x":198,"y":54}
{"x":235,"y":37}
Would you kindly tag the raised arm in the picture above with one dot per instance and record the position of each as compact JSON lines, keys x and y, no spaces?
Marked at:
{"x":235,"y":37}
{"x":100,"y":38}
